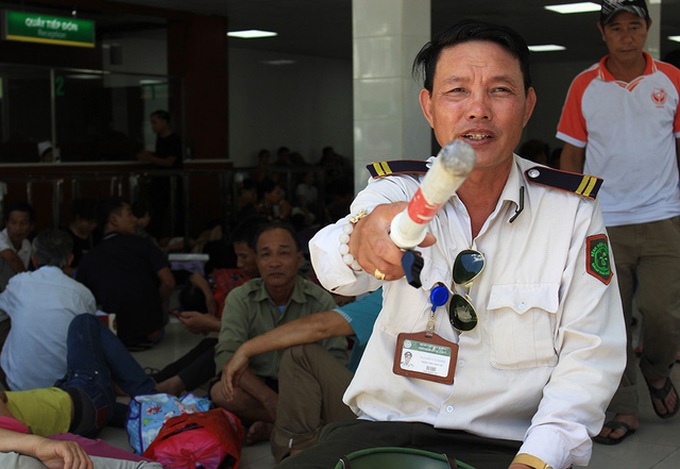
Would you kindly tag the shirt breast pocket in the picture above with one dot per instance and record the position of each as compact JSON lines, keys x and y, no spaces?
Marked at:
{"x":522,"y":324}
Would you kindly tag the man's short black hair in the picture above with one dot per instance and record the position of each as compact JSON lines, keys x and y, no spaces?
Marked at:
{"x":20,"y":206}
{"x":161,"y":114}
{"x":85,"y":209}
{"x":425,"y":62}
{"x":108,"y":206}
{"x":284,"y":226}
{"x":248,"y":229}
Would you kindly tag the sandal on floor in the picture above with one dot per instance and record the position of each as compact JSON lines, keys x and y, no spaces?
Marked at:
{"x":614,"y":425}
{"x":660,"y":395}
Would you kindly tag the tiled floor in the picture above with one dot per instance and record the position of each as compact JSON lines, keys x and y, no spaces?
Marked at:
{"x":655,"y":445}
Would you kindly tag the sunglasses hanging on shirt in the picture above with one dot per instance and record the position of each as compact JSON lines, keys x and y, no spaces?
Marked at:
{"x":466,"y":268}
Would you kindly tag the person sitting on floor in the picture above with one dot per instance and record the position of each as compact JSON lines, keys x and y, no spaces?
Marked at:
{"x":278,"y":297}
{"x":81,"y":228}
{"x":196,"y":299}
{"x":311,"y":380}
{"x":41,"y":305}
{"x":15,"y":248}
{"x":83,"y":401}
{"x":19,"y":450}
{"x":129,"y":276}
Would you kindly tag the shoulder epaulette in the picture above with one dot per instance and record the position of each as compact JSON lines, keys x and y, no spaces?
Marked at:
{"x":386,"y":168}
{"x":581,"y":184}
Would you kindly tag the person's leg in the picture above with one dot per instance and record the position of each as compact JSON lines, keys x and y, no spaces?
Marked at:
{"x":201,"y":369}
{"x":93,"y":347}
{"x":343,"y":438}
{"x":659,"y":301}
{"x":311,"y":385}
{"x":19,"y":461}
{"x":625,"y":242}
{"x":94,"y":357}
{"x":474,"y":450}
{"x":186,"y":360}
{"x":112,"y":463}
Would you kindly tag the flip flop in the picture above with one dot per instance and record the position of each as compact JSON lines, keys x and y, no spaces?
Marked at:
{"x":661,"y":394}
{"x":614,"y":425}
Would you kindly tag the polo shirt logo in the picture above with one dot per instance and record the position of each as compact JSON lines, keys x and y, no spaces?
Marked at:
{"x":659,"y":97}
{"x":597,"y":258}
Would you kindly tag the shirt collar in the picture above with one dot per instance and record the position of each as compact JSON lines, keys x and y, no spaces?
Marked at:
{"x":297,"y":296}
{"x":511,"y":191}
{"x":606,"y":75}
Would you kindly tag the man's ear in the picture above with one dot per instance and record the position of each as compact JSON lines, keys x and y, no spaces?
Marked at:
{"x":425,"y":99}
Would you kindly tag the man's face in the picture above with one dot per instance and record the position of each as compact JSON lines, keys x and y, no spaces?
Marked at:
{"x":123,"y":221}
{"x":625,"y":36}
{"x":246,"y":259}
{"x":19,"y":226}
{"x":278,"y":258}
{"x":158,"y":125}
{"x":85,"y":225}
{"x":478,"y":96}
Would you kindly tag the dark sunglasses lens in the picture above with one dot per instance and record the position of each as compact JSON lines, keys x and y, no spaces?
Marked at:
{"x":467,"y":266}
{"x":462,"y":314}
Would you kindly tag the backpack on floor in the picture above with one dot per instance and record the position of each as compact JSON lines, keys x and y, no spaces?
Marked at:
{"x":148,"y":413}
{"x":211,"y":440}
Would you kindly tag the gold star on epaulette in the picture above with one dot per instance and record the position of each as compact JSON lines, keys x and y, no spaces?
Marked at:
{"x":581,"y":184}
{"x":387,"y":168}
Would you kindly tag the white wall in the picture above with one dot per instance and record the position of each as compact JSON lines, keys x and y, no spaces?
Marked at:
{"x":304,"y":106}
{"x":144,"y":53}
{"x":308,"y":105}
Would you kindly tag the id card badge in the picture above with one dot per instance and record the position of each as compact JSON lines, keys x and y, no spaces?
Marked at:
{"x":425,"y":356}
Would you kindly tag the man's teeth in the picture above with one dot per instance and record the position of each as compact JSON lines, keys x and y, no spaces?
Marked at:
{"x":477,"y":136}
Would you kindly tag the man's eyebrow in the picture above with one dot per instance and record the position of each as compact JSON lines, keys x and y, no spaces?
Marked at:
{"x":454,"y":79}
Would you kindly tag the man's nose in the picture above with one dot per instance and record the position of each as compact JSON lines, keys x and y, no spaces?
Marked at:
{"x":479,"y":107}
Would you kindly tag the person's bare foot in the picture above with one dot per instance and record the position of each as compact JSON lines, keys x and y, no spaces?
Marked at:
{"x":612,"y":434}
{"x":664,"y":397}
{"x":259,"y":431}
{"x":172,"y":385}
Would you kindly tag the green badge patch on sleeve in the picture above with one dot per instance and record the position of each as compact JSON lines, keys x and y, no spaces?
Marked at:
{"x":597,"y":258}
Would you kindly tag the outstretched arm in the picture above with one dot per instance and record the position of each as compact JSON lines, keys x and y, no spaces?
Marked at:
{"x":54,"y":454}
{"x":306,"y":330}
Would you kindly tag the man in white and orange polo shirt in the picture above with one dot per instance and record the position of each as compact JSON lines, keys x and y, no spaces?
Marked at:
{"x":621,"y":122}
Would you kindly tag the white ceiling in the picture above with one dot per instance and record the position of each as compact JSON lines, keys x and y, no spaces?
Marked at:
{"x":323,"y":27}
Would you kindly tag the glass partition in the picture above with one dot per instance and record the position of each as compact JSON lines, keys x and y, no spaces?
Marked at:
{"x":77,"y":115}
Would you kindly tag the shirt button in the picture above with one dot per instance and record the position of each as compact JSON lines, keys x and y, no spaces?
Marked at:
{"x":461,"y":363}
{"x":522,"y":306}
{"x":449,"y":409}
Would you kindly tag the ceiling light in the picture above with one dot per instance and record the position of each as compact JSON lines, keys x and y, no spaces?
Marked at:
{"x":567,"y":8}
{"x":546,"y":48}
{"x":674,"y":38}
{"x":251,"y":34}
{"x":279,"y":62}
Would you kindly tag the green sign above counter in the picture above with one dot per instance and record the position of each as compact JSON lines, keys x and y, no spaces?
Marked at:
{"x":34,"y":27}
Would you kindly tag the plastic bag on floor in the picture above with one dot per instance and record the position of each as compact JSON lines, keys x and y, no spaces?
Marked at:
{"x":148,"y":414}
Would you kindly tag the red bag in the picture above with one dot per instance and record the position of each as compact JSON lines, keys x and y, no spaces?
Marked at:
{"x":209,"y":439}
